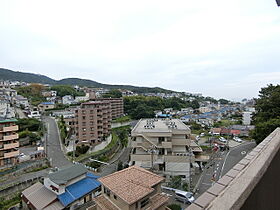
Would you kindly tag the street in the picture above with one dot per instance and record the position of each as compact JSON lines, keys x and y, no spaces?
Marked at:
{"x":54,"y":152}
{"x":220,"y":164}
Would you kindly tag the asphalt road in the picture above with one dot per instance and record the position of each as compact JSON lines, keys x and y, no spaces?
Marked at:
{"x":54,"y":152}
{"x":220,"y":164}
{"x":235,"y":155}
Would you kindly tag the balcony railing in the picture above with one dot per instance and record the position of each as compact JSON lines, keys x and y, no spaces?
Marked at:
{"x":10,"y":146}
{"x":10,"y":137}
{"x":10,"y":128}
{"x":11,"y":154}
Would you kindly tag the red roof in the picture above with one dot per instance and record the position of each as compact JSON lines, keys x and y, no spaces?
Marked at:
{"x":235,"y":132}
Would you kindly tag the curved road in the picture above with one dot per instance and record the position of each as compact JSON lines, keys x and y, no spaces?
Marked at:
{"x":54,"y":152}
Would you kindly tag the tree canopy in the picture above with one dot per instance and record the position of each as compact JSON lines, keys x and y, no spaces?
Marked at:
{"x":267,"y":117}
{"x":144,"y":106}
{"x":63,"y":90}
{"x":113,"y":94}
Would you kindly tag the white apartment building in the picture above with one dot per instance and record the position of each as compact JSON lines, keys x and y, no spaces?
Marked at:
{"x":162,"y":144}
{"x":247,"y":118}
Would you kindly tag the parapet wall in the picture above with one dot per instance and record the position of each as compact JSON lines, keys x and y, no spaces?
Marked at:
{"x":253,"y":183}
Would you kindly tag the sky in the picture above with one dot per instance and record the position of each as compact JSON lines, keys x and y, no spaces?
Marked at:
{"x":220,"y":48}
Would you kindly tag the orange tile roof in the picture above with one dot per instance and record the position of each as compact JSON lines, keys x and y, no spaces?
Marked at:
{"x":105,"y":203}
{"x":131,"y":184}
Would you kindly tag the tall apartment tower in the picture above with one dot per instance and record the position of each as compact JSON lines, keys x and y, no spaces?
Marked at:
{"x":9,"y":144}
{"x":93,"y":121}
{"x":116,"y":106}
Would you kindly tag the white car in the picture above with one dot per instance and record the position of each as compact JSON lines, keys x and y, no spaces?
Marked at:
{"x":237,"y":139}
{"x":222,"y":139}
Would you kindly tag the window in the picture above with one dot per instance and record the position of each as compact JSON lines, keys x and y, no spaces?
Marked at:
{"x":115,"y":197}
{"x":84,"y":117}
{"x":107,"y":191}
{"x":144,"y":202}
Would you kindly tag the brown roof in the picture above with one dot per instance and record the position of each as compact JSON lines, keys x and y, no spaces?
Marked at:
{"x":158,"y":200}
{"x":105,"y":203}
{"x":131,"y":184}
{"x":39,"y":195}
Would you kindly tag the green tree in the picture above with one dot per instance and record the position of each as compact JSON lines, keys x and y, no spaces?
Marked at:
{"x":267,"y":117}
{"x":113,"y":94}
{"x":63,"y":90}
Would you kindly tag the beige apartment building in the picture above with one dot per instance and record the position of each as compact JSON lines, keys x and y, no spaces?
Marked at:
{"x":93,"y":121}
{"x":133,"y":188}
{"x":116,"y":106}
{"x":9,"y":144}
{"x":163,"y":145}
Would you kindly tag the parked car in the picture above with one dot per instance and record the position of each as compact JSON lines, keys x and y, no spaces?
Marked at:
{"x":183,"y":196}
{"x":222,"y":139}
{"x":237,"y":139}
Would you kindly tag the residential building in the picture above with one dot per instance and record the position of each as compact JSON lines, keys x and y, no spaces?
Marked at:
{"x":247,"y":118}
{"x":79,"y":99}
{"x":116,"y":106}
{"x":67,"y":100}
{"x":67,"y":188}
{"x":162,"y":144}
{"x":9,"y":144}
{"x":93,"y":121}
{"x":46,"y":105}
{"x":21,"y":101}
{"x":204,"y":109}
{"x":133,"y":188}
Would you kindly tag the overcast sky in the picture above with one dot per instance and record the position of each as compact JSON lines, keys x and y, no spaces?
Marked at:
{"x":220,"y":48}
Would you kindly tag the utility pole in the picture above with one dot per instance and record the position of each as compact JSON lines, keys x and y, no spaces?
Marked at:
{"x":190,"y":158}
{"x":152,"y":150}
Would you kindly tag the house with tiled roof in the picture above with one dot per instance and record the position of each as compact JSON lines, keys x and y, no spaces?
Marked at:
{"x":131,"y":189}
{"x":67,"y":188}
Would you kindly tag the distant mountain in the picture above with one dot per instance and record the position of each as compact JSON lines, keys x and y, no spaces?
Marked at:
{"x":6,"y":74}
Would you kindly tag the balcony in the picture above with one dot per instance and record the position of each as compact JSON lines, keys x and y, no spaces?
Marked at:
{"x":10,"y":128}
{"x":11,"y":154}
{"x":10,"y":137}
{"x":167,"y":145}
{"x":11,"y":146}
{"x":181,"y":142}
{"x":140,"y":157}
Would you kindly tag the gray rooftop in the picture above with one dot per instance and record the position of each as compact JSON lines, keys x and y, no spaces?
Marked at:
{"x":66,"y":174}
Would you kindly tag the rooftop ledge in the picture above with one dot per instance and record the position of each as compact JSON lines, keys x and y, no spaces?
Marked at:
{"x":237,"y":189}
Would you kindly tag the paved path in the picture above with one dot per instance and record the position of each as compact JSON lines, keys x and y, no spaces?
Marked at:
{"x":54,"y":149}
{"x":20,"y":113}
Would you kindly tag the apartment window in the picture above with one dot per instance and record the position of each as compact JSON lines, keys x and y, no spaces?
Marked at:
{"x":84,"y":129}
{"x":84,"y":117}
{"x":115,"y":197}
{"x":144,"y":202}
{"x":92,"y":129}
{"x":91,"y":112}
{"x":160,"y":139}
{"x":84,"y":123}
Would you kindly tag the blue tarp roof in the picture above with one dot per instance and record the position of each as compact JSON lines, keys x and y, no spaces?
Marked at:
{"x":79,"y":189}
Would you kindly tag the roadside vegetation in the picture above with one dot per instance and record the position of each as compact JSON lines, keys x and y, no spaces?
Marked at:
{"x":266,"y":119}
{"x":6,"y":204}
{"x":177,"y":182}
{"x":30,"y":128}
{"x":122,"y":119}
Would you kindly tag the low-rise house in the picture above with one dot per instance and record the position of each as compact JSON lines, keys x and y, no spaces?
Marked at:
{"x":21,"y":101}
{"x":46,"y":105}
{"x":66,"y":188}
{"x":68,"y":99}
{"x":133,"y":188}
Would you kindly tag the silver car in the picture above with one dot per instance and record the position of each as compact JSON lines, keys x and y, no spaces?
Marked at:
{"x":183,"y":196}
